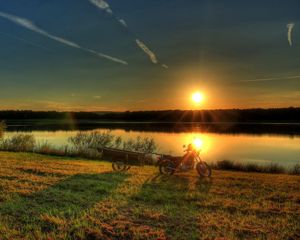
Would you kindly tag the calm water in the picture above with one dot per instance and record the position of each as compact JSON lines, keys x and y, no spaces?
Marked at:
{"x":241,"y":147}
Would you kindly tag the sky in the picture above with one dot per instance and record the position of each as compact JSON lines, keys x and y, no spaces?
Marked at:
{"x":112,"y":55}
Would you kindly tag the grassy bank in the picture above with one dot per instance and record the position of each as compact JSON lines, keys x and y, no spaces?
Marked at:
{"x":84,"y":145}
{"x":45,"y":197}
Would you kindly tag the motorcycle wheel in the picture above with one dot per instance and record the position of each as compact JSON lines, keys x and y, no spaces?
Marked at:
{"x":203,"y":169}
{"x":119,"y":166}
{"x":167,"y":167}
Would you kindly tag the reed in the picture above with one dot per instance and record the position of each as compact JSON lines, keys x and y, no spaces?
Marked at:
{"x":2,"y":128}
{"x":252,"y":167}
{"x":18,"y":143}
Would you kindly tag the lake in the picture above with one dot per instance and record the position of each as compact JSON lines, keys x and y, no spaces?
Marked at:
{"x":255,"y":143}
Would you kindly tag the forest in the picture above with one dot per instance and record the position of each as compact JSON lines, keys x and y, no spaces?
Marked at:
{"x":273,"y":115}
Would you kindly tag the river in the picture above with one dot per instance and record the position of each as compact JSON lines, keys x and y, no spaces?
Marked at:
{"x":242,"y":144}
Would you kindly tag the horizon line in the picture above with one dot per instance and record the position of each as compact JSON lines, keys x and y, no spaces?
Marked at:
{"x":161,"y":110}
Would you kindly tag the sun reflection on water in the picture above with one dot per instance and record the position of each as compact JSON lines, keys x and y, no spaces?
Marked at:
{"x":198,"y":143}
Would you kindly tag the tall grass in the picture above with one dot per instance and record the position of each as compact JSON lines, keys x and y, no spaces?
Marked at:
{"x":252,"y":167}
{"x":2,"y":128}
{"x":18,"y":143}
{"x":82,"y":145}
{"x":85,"y":141}
{"x":295,"y":170}
{"x":92,"y":140}
{"x":47,"y":148}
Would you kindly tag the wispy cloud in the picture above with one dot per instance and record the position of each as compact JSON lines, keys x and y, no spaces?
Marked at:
{"x":31,"y":26}
{"x":103,"y":5}
{"x":152,"y":56}
{"x":271,"y":79}
{"x":147,"y":51}
{"x":290,"y":27}
{"x":123,"y":23}
{"x":24,"y":41}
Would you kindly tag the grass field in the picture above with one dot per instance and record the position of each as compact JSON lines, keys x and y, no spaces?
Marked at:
{"x":58,"y":198}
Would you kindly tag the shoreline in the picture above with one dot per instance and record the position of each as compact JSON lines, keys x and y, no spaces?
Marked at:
{"x":223,"y":165}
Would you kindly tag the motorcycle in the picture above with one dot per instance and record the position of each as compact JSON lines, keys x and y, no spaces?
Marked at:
{"x":191,"y":160}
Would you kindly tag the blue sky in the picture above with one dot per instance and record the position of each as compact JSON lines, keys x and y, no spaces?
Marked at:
{"x":213,"y":46}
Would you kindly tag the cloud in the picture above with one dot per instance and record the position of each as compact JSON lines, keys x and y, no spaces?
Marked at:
{"x":147,"y":51}
{"x":102,"y":5}
{"x":105,"y":6}
{"x":271,"y":79}
{"x":24,"y":41}
{"x":290,"y":27}
{"x":31,"y":26}
{"x":63,"y":106}
{"x":123,"y":23}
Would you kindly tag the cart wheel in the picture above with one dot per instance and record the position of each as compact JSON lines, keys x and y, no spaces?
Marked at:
{"x":119,"y":166}
{"x":128,"y":167}
{"x":167,"y":167}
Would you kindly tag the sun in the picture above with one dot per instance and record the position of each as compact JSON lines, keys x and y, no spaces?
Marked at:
{"x":197,"y":97}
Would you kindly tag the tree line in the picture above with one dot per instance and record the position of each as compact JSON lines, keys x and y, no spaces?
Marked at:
{"x":275,"y":115}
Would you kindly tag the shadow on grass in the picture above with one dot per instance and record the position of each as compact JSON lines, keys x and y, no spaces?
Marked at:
{"x":175,"y":199}
{"x":180,"y":185}
{"x":68,"y":199}
{"x":162,"y":189}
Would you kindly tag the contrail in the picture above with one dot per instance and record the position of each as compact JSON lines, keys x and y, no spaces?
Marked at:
{"x":105,"y":56}
{"x":24,"y":40}
{"x":31,"y":26}
{"x":103,"y":5}
{"x":270,"y":79}
{"x":290,"y":27}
